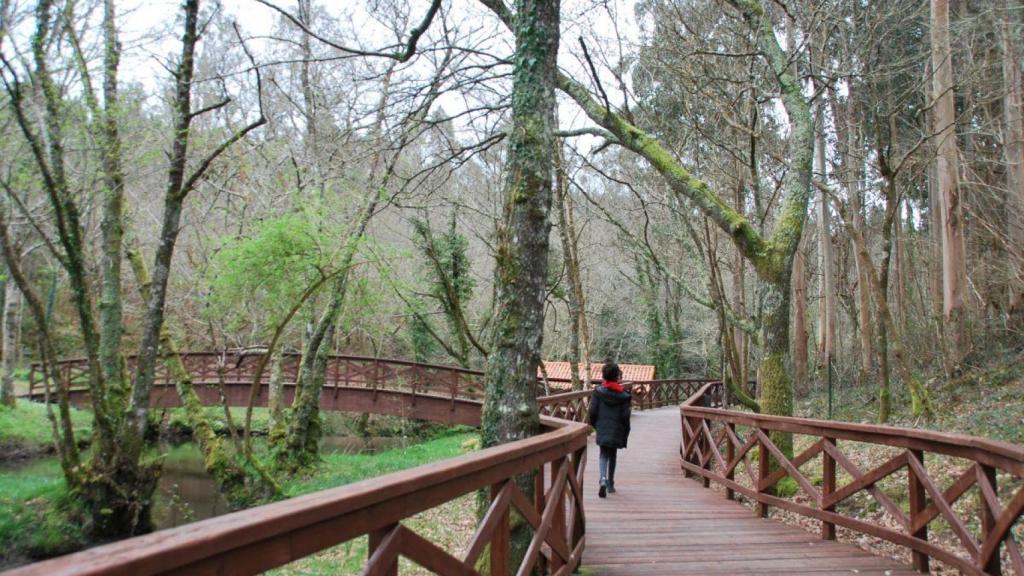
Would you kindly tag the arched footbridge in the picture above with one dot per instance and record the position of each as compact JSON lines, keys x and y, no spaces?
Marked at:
{"x":951,"y":502}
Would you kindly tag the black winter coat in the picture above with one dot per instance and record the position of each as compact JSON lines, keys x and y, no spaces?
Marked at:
{"x":609,"y":414}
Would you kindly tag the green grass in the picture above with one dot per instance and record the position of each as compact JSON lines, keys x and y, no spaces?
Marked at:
{"x":26,"y":427}
{"x":339,"y":469}
{"x":38,"y":518}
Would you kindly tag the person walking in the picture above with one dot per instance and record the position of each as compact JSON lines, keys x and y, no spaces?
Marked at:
{"x":609,"y":414}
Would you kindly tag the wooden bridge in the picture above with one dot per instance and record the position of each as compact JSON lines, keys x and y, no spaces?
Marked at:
{"x":660,"y":521}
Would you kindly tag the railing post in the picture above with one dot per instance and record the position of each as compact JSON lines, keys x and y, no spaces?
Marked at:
{"x":540,"y":500}
{"x":917,"y":506}
{"x":376,"y":538}
{"x":578,"y":528}
{"x":763,"y":461}
{"x":988,"y":519}
{"x":682,"y":445}
{"x":500,"y":540}
{"x":557,"y":529}
{"x":730,"y":453}
{"x":828,"y":486}
{"x":705,"y":448}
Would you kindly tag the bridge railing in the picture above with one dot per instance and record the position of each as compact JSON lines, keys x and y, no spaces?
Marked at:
{"x":258,"y":539}
{"x":647,"y":394}
{"x":214,"y":368}
{"x":738,"y":451}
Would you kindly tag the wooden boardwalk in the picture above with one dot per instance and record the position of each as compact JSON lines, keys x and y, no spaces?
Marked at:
{"x":660,"y":522}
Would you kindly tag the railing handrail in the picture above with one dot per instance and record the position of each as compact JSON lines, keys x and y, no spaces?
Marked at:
{"x":627,"y":384}
{"x":698,"y":396}
{"x":354,"y":357}
{"x":1003,"y":455}
{"x":253,"y":537}
{"x":647,"y":394}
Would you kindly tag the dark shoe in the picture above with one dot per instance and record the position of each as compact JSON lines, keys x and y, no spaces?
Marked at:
{"x":611,"y":487}
{"x":602,"y":491}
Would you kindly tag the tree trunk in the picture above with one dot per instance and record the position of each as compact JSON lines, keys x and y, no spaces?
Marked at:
{"x":12,"y":297}
{"x":510,"y":405}
{"x":739,"y":285}
{"x":173,"y":203}
{"x":800,"y":322}
{"x":510,"y":410}
{"x":110,"y":306}
{"x":1013,"y":148}
{"x":275,"y":401}
{"x":826,"y":287}
{"x":863,"y":282}
{"x":572,"y":267}
{"x":899,"y":273}
{"x":774,"y":383}
{"x":954,"y":271}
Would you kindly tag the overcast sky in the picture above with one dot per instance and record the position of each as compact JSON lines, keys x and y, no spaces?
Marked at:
{"x":150,"y":30}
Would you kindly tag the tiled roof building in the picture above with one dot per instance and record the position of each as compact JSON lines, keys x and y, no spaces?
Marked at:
{"x":560,"y":377}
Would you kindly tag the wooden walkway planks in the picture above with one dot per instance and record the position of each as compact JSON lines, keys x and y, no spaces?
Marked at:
{"x":663,"y":523}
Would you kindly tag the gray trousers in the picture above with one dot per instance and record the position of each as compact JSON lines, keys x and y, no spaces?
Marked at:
{"x":606,"y":464}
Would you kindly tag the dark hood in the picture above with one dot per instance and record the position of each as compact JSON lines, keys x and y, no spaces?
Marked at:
{"x":612,"y":397}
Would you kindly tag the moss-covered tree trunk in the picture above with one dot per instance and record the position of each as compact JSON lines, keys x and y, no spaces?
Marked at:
{"x":174,"y":198}
{"x":510,"y":405}
{"x":301,"y":447}
{"x":275,"y":399}
{"x":521,"y":267}
{"x":10,"y":333}
{"x":800,"y":357}
{"x":117,"y":484}
{"x":110,"y":306}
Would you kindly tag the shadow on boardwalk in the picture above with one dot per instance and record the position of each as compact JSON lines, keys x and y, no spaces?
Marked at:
{"x":663,"y":523}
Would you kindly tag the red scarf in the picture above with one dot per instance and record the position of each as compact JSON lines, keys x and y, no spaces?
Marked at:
{"x":613,"y":386}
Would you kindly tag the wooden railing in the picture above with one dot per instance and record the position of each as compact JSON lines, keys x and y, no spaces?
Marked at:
{"x":213,"y":368}
{"x":718,"y":443}
{"x":646,"y":395}
{"x":257,"y":539}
